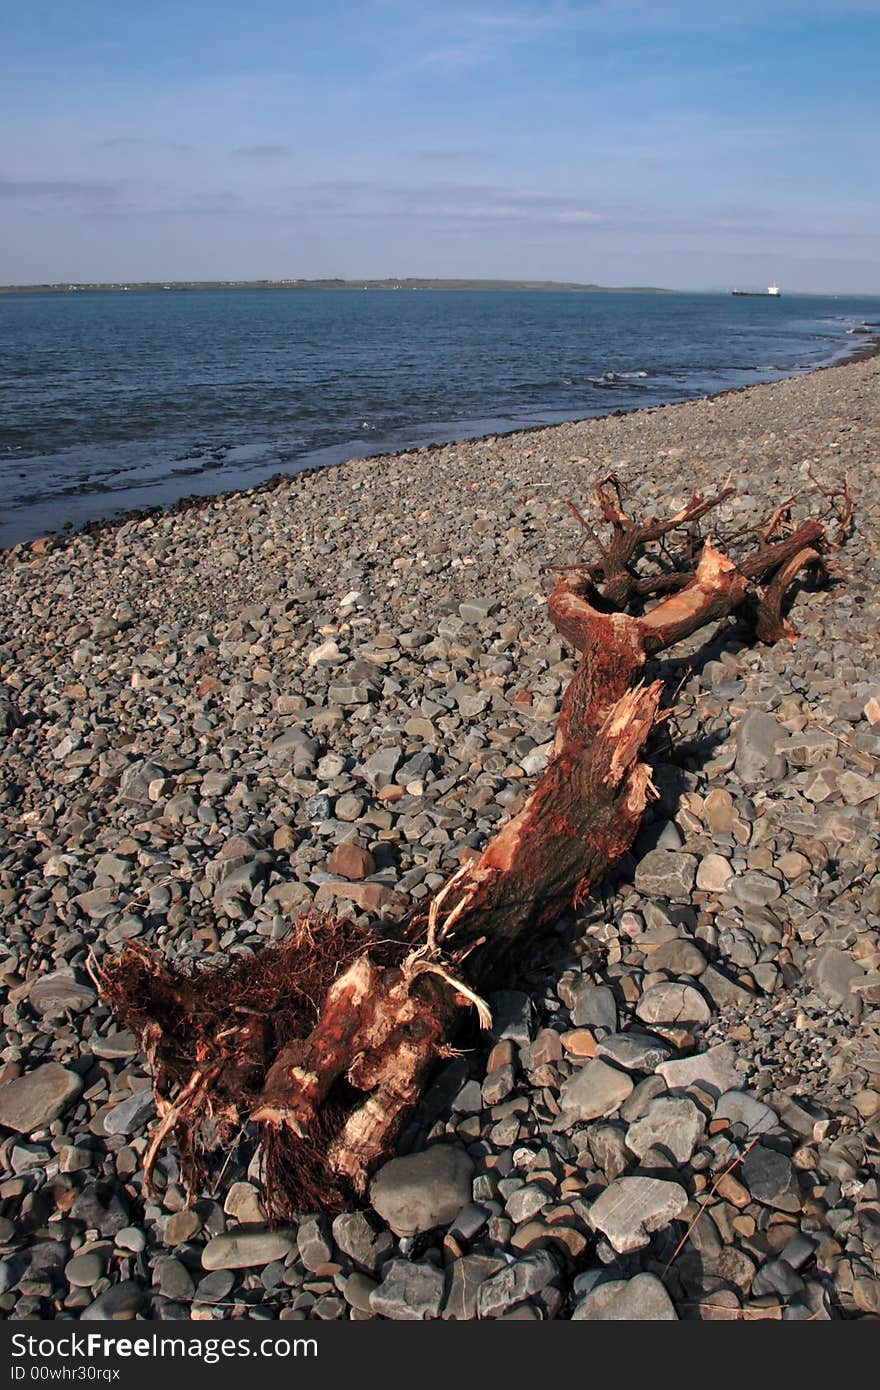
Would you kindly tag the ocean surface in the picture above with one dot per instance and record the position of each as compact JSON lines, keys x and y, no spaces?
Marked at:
{"x":111,"y":401}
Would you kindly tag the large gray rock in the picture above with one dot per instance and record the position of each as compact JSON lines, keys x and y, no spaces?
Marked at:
{"x":833,"y":974}
{"x":630,"y":1209}
{"x":314,"y":1243}
{"x":671,"y":1124}
{"x":673,"y":1004}
{"x":594,"y":1090}
{"x":239,"y":880}
{"x":678,"y":957}
{"x":757,"y":761}
{"x":770,"y":1178}
{"x":36,"y":1099}
{"x":642,"y":1299}
{"x":723,"y":991}
{"x":295,"y":746}
{"x":245,"y":1249}
{"x":634,"y":1050}
{"x":754,"y":889}
{"x":516,"y":1283}
{"x":409,"y":1292}
{"x":666,"y":873}
{"x":810,"y":747}
{"x":593,"y":1006}
{"x":379,"y":769}
{"x":135,"y":782}
{"x":740,"y":1108}
{"x":130,"y":1115}
{"x":465,"y":1277}
{"x":511,"y":1015}
{"x":714,"y":1070}
{"x":423,"y":1190}
{"x":60,"y":993}
{"x":357,"y":1237}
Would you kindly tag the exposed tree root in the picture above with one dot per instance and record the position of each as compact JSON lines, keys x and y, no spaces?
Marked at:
{"x":325,"y":1041}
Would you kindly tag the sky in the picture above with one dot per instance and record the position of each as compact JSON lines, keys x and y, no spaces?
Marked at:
{"x":690,"y":145}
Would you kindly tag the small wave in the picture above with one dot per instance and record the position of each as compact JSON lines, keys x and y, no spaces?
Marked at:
{"x":628,"y":379}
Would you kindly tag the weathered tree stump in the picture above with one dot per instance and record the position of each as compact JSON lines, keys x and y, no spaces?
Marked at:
{"x":326,"y":1040}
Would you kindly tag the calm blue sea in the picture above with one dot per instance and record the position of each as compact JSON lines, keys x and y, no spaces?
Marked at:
{"x":111,"y":401}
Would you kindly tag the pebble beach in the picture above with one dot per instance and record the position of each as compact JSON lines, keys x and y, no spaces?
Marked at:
{"x":328,"y":691}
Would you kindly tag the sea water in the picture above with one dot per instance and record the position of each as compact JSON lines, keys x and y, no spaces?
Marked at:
{"x":111,"y":401}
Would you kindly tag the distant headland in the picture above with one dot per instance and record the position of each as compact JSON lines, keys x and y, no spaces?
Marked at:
{"x":406,"y":284}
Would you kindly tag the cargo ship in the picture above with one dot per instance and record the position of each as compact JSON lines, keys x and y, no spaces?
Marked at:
{"x":772,"y":290}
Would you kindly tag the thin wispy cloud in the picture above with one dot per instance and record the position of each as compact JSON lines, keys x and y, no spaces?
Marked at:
{"x":57,"y":190}
{"x":141,"y":142}
{"x":445,"y":156}
{"x":267,"y":151}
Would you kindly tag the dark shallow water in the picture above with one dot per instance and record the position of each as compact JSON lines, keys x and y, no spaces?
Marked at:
{"x":110,"y":401}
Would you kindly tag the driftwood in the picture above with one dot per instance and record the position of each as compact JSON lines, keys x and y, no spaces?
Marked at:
{"x":326,"y":1041}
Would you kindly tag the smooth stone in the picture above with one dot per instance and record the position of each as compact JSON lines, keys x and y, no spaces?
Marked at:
{"x":833,"y":973}
{"x":34,"y":1100}
{"x":810,"y":747}
{"x":130,"y":1116}
{"x":740,"y":1108}
{"x":641,"y":1299}
{"x":135,"y":781}
{"x":423,"y":1190}
{"x":673,"y":1004}
{"x":777,"y":1277}
{"x":174,"y":1279}
{"x":671,"y":1124}
{"x":527,"y":1201}
{"x":122,"y":1300}
{"x":243,"y":1205}
{"x":511,"y":1015}
{"x":214,"y":1288}
{"x":715,"y":1070}
{"x":724,"y":991}
{"x":594,"y":1007}
{"x":630,"y":1209}
{"x":754,"y":889}
{"x":296,"y":746}
{"x":244,"y":1249}
{"x":719,"y":811}
{"x":84,"y":1270}
{"x":379,"y":769}
{"x":314,"y":1243}
{"x":770,"y":1178}
{"x":131,"y":1238}
{"x":714,"y":873}
{"x":349,"y":861}
{"x":357,"y":1290}
{"x":757,"y":761}
{"x":678,"y":957}
{"x":596,"y":1089}
{"x":59,"y":993}
{"x":181,"y":1226}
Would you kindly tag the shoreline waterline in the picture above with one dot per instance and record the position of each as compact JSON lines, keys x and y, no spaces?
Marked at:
{"x":194,"y":501}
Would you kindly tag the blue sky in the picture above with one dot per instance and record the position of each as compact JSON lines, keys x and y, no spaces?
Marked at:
{"x":692,"y":145}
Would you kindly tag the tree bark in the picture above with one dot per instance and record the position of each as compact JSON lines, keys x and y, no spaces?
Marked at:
{"x":331,"y":1096}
